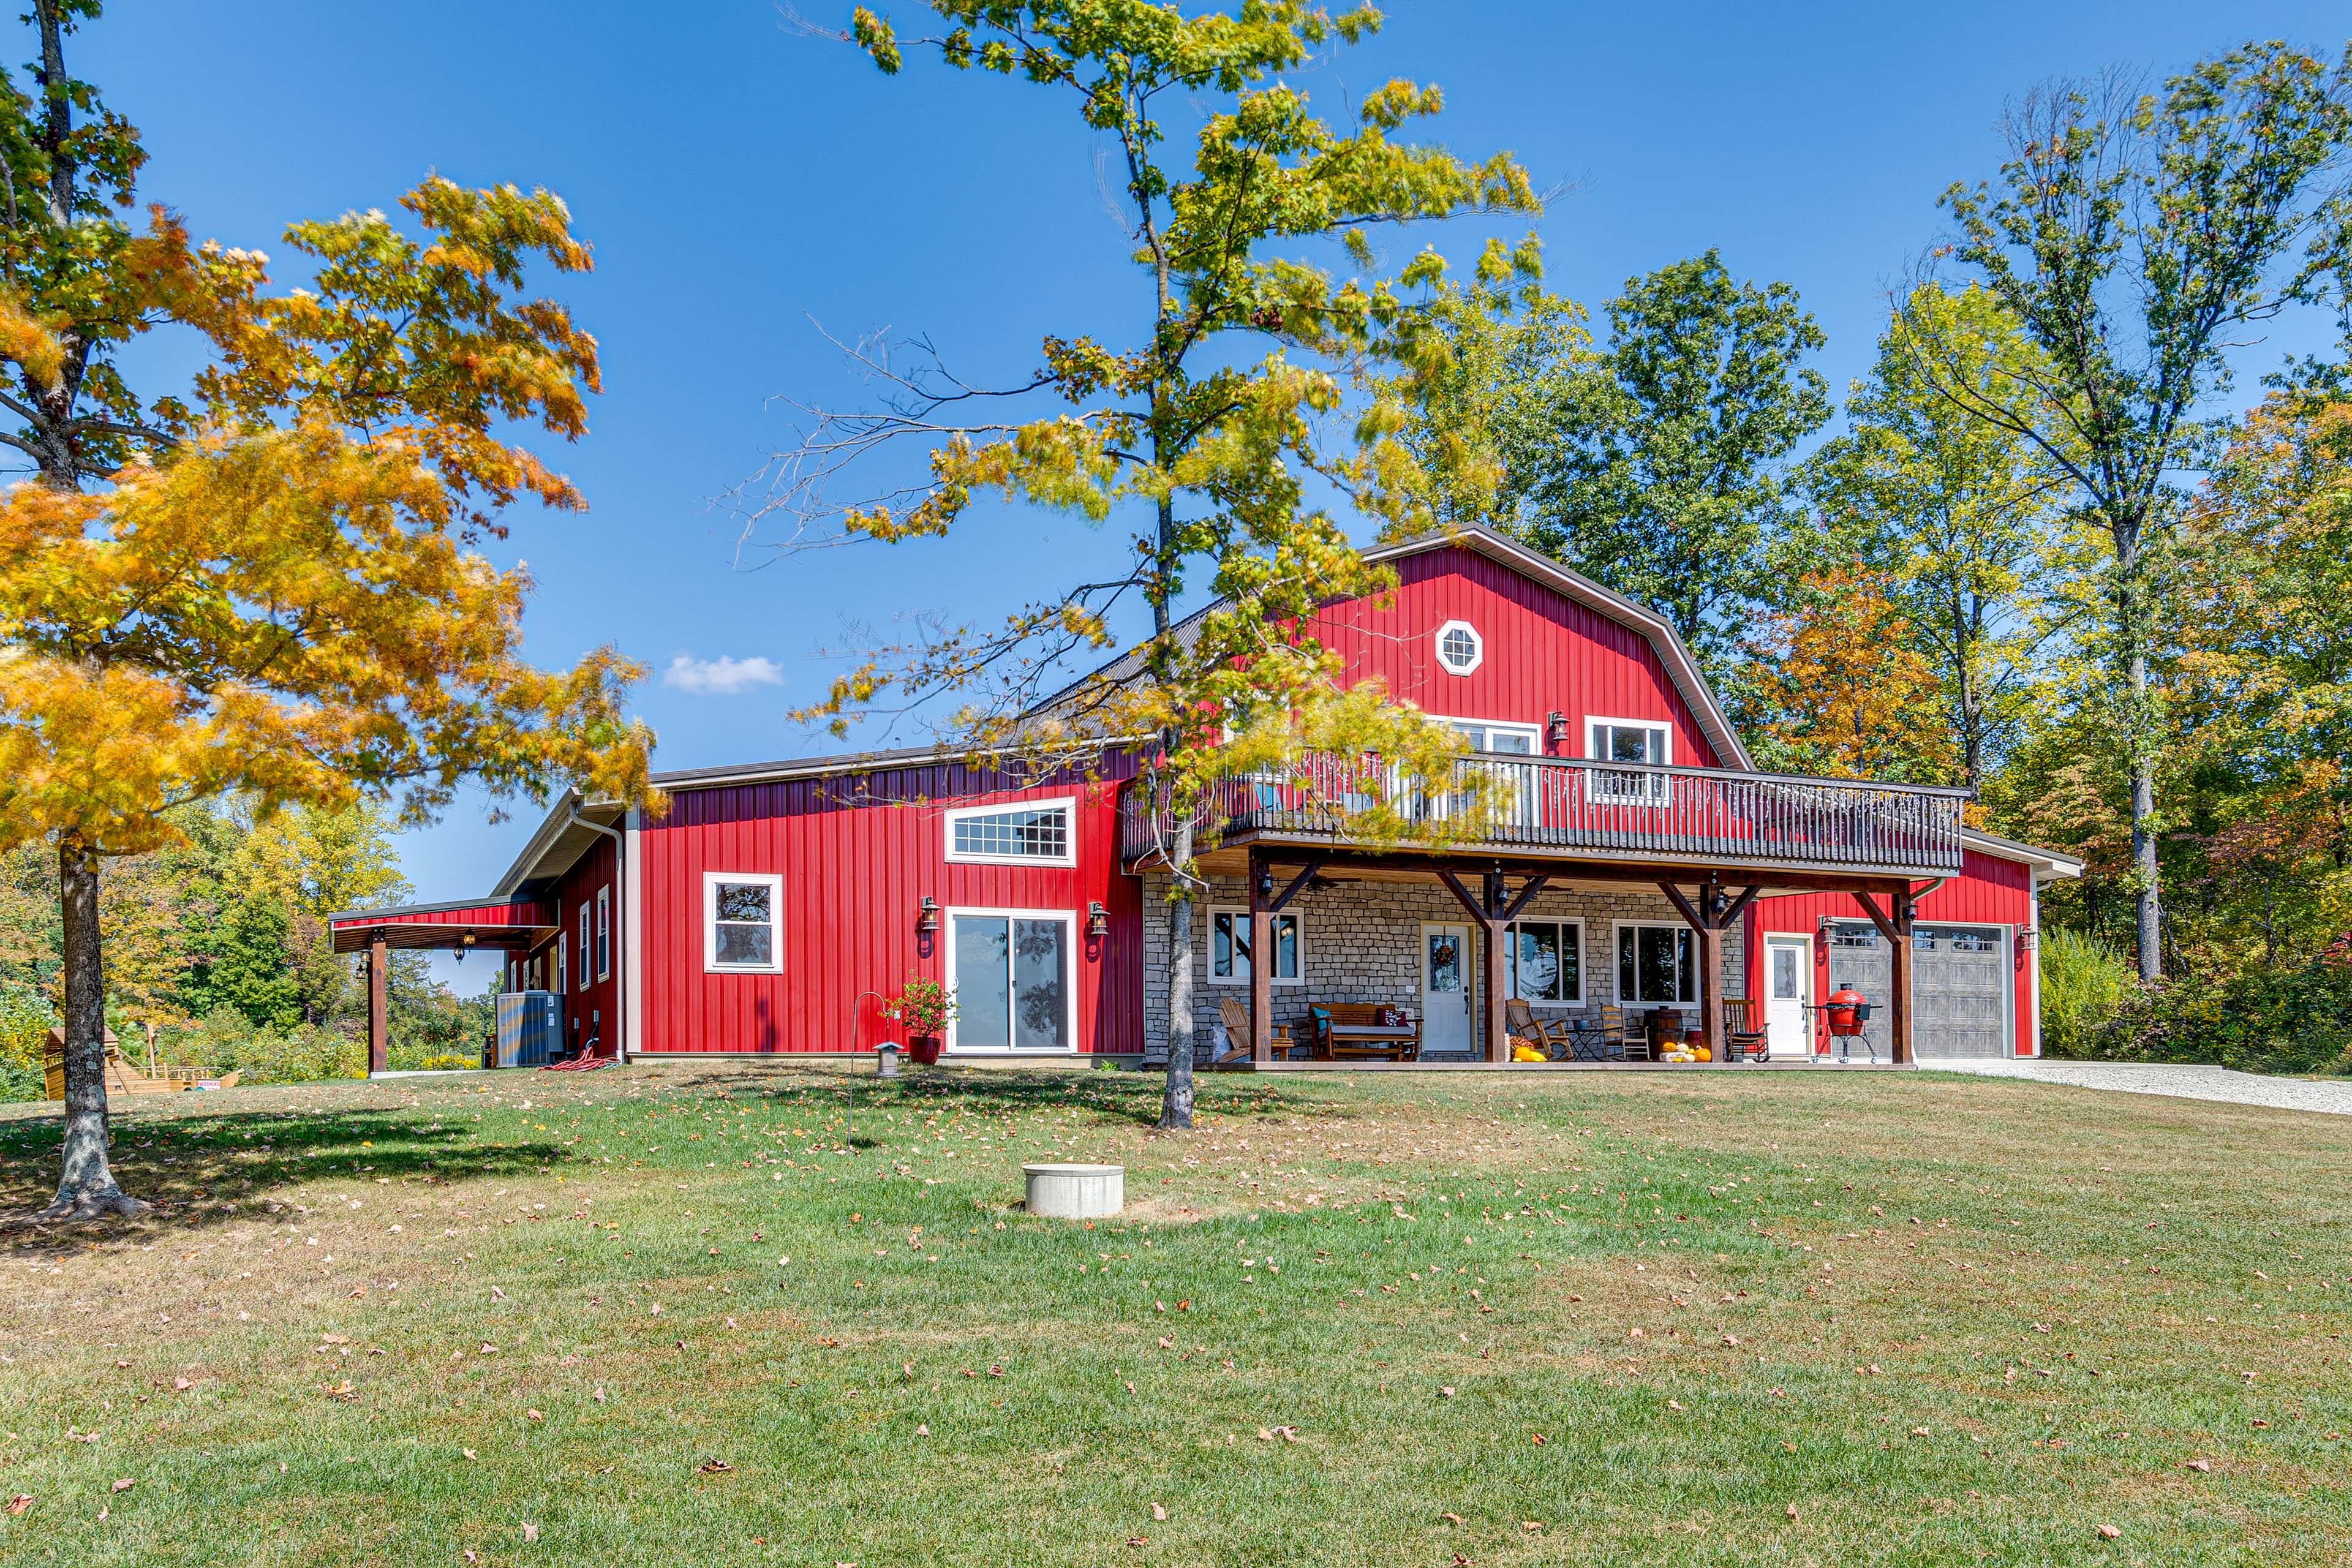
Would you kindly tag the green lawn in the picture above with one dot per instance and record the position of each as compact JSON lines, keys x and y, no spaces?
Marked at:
{"x":664,"y":1317}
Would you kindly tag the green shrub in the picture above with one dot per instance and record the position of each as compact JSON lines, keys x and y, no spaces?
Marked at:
{"x":226,"y":1040}
{"x":2286,"y":1019}
{"x":2084,"y":983}
{"x":26,"y":1016}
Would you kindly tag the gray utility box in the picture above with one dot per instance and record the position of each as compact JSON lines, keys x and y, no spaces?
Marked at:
{"x":530,"y":1029}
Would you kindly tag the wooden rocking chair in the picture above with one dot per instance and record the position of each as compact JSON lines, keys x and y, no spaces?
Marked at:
{"x":1554,"y":1037}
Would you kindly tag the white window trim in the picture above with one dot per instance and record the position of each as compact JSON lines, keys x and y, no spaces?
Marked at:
{"x":1616,"y":942}
{"x":775,"y":883}
{"x":1534,"y":732}
{"x":1594,"y":724}
{"x":1071,"y":955}
{"x":1241,"y":918}
{"x":1511,"y":965}
{"x":604,"y":933}
{"x":579,"y":971}
{"x":562,"y":973}
{"x":1069,"y":855}
{"x":1478,"y":652}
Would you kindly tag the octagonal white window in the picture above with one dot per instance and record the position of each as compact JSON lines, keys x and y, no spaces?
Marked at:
{"x":1459,"y":648}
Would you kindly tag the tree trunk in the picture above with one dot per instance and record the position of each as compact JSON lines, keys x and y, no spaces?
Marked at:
{"x":1176,"y":1099}
{"x":85,"y":1187}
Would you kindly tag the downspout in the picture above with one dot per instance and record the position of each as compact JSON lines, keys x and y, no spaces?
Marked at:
{"x":620,"y":912}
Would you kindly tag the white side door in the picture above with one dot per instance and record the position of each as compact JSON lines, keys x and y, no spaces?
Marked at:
{"x":1788,"y":982}
{"x":1444,"y":990}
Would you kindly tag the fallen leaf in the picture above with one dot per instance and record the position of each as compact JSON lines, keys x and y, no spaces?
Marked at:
{"x":467,"y":1452}
{"x":922,"y":1428}
{"x":1443,"y":1392}
{"x":2108,"y":1533}
{"x":714,"y":1467}
{"x":1166,"y":1343}
{"x":122,"y":1486}
{"x":182,"y":1384}
{"x":334,"y":1338}
{"x":1159,"y":1513}
{"x":20,"y":1503}
{"x":2204,"y":1466}
{"x":343,"y":1391}
{"x":598,"y":1397}
{"x":1451,"y":1518}
{"x":1673,"y":1404}
{"x":1264,"y":1436}
{"x":531,"y":1532}
{"x":1531,"y":1524}
{"x":1792,"y":1512}
{"x":1918,"y":1431}
{"x":469,"y":1557}
{"x":1538,"y":1439}
{"x":534,"y":1415}
{"x":1139,"y":1541}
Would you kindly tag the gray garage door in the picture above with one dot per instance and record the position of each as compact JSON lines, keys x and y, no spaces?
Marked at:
{"x":1959,"y":987}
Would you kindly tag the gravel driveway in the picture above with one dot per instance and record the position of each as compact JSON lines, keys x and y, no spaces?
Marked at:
{"x":2188,"y":1082}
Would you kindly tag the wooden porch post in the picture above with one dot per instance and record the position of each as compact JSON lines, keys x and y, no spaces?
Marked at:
{"x":1261,"y":941}
{"x":379,"y":1020}
{"x":1490,"y":951}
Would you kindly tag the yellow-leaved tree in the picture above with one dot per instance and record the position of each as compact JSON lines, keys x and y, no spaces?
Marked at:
{"x":271,"y":584}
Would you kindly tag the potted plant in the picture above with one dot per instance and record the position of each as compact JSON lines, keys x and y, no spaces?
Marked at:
{"x":922,"y":1008}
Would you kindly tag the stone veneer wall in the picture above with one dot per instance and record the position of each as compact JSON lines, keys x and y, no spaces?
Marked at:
{"x":1362,"y":943}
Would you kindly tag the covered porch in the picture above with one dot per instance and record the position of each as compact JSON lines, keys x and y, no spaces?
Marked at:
{"x":517,"y":927}
{"x":1622,"y":887}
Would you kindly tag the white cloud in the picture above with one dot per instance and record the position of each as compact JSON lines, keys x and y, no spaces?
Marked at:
{"x":721,"y":677}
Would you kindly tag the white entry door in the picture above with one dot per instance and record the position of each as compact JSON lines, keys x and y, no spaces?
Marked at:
{"x":1788,"y":979}
{"x":1445,"y":990}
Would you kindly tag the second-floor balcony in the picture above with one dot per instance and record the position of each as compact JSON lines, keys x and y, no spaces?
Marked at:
{"x":1569,"y":809}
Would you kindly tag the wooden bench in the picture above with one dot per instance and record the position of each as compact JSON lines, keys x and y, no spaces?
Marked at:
{"x":1336,"y":1041}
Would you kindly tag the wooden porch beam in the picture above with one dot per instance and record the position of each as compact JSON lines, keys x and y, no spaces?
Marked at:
{"x":1897,"y":932}
{"x":1877,"y":916}
{"x":1526,"y":895}
{"x":1297,"y":883}
{"x":1446,"y":875}
{"x":1689,"y":912}
{"x":1567,"y":868}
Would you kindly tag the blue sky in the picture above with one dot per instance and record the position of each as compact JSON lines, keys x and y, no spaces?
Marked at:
{"x":740,"y":182}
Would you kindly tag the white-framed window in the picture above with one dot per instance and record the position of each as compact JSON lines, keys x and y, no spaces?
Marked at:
{"x":584,"y":947}
{"x":1853,"y":933}
{"x":1657,"y":965}
{"x":1497,"y":738}
{"x":1229,"y":948}
{"x":743,"y":922}
{"x":1545,"y":959}
{"x":604,"y":931}
{"x":1011,"y":973}
{"x":1637,"y":743}
{"x":562,"y":960}
{"x":1025,"y":833}
{"x":1460,"y":648}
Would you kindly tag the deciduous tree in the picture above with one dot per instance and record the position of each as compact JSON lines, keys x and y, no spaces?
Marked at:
{"x":265,"y":584}
{"x":1210,"y":421}
{"x":2137,"y":240}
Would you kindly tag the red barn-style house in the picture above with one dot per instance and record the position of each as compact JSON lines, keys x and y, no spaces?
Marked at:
{"x":1632,"y":865}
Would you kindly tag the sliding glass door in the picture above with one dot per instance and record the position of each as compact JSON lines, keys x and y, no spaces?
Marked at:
{"x":1010,"y":973}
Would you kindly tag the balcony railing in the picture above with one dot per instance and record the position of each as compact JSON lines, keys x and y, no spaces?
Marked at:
{"x":1604,"y":810}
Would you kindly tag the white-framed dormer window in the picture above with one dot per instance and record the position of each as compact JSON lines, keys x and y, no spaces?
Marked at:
{"x":742,"y":919}
{"x":1025,"y":833}
{"x":1460,"y":648}
{"x":582,"y":967}
{"x":1657,"y":965}
{"x":1229,"y":948}
{"x":1546,"y":961}
{"x":605,"y":932}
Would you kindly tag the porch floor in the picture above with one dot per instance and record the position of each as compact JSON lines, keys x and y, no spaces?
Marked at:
{"x":1730,"y":1067}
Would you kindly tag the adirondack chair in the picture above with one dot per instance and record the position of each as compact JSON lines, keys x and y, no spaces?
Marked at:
{"x":1234,"y":1013}
{"x":1554,"y":1037}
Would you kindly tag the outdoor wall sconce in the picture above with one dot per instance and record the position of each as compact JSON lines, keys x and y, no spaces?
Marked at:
{"x":1097,"y":919}
{"x":1556,"y":727}
{"x":464,"y":945}
{"x":2027,"y":938}
{"x":1265,"y":884}
{"x":927,"y":917}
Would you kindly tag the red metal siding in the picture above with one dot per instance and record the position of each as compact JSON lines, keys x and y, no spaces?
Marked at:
{"x":1542,"y":652}
{"x":524,"y":913}
{"x":1988,"y":892}
{"x":858,"y":853}
{"x":589,"y":1012}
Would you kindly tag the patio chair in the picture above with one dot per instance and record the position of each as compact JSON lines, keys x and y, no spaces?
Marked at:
{"x":1235,"y":1014}
{"x":1604,"y":1038}
{"x":1552,"y":1036}
{"x":1741,"y":1040}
